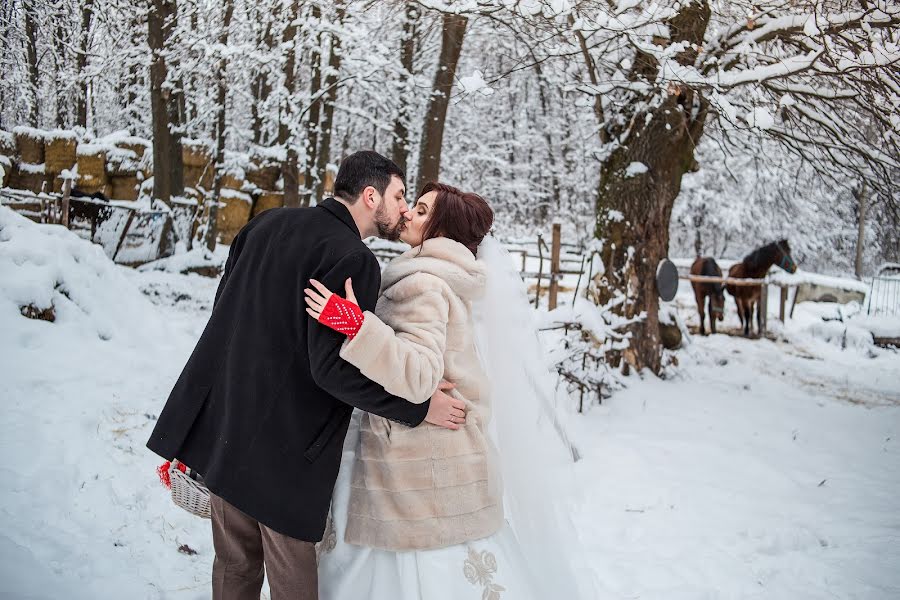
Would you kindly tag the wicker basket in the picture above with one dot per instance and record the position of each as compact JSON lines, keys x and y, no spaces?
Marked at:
{"x":188,"y":491}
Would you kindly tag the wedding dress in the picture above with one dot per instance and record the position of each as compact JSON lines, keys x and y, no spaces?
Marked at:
{"x":530,"y":557}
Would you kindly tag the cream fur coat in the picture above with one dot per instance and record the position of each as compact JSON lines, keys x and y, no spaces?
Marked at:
{"x":424,"y":487}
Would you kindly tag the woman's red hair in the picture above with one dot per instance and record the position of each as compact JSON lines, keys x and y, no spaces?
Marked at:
{"x":464,"y":217}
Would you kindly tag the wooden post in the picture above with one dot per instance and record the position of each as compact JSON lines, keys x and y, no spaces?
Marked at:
{"x":578,"y":283}
{"x":763,"y":308}
{"x":537,"y":294}
{"x":124,"y":233}
{"x":783,"y":302}
{"x":66,"y":190}
{"x":554,"y":266}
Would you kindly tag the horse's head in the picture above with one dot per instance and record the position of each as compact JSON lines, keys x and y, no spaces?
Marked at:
{"x":783,"y":256}
{"x":717,"y":302}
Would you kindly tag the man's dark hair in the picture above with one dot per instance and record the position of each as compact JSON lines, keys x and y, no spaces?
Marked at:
{"x":362,"y":169}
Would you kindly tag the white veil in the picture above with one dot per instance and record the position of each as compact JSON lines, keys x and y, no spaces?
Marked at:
{"x":535,"y":456}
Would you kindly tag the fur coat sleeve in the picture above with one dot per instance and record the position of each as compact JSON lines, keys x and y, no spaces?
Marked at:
{"x":408,"y":362}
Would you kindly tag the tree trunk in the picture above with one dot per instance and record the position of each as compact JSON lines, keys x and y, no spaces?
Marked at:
{"x":134,"y":77}
{"x":454,"y":30}
{"x":31,"y":57}
{"x":81,"y":104}
{"x":261,"y":90}
{"x":289,"y":171}
{"x":187,"y":92}
{"x":402,"y":142}
{"x":312,"y":120}
{"x":862,"y":199}
{"x":594,"y":78}
{"x":331,"y":89}
{"x":639,"y":182}
{"x":60,"y":19}
{"x":555,"y":187}
{"x":7,"y":15}
{"x":221,"y":100}
{"x":168,"y":168}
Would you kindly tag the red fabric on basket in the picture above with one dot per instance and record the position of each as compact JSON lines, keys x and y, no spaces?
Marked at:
{"x":163,"y":472}
{"x":342,"y":315}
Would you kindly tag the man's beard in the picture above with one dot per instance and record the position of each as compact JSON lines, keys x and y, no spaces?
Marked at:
{"x":387,"y":231}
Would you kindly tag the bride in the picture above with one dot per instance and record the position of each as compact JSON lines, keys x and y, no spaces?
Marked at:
{"x":419,"y":513}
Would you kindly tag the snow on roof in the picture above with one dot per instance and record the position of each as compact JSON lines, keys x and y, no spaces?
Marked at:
{"x":801,"y":276}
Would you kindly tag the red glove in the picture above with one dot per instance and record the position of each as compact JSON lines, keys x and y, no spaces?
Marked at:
{"x":342,"y":315}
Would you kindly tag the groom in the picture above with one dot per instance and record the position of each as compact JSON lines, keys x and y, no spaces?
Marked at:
{"x":262,"y":406}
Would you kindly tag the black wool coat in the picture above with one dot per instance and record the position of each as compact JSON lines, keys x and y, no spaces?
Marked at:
{"x":262,"y":406}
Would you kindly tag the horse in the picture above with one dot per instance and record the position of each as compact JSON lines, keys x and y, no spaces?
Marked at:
{"x":715,"y":291}
{"x":755,"y":266}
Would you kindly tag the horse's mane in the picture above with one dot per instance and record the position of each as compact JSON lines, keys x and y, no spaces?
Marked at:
{"x":756,"y":260}
{"x":708,"y":268}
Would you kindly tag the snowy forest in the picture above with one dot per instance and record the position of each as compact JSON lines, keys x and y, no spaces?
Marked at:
{"x":756,"y":121}
{"x":667,"y":129}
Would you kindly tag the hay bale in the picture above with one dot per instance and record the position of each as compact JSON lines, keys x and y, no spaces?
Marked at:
{"x":231,"y":181}
{"x":59,"y":152}
{"x":198,"y":177}
{"x":328,"y":189}
{"x":233,"y":214}
{"x":7,"y":143}
{"x":264,"y":176}
{"x":193,"y":195}
{"x":123,"y":187}
{"x":94,"y":188}
{"x":195,"y":155}
{"x":29,"y":177}
{"x":57,"y":183}
{"x":121,"y":162}
{"x":192,"y":176}
{"x":92,"y":169}
{"x":138,"y":147}
{"x":29,"y":144}
{"x":268,"y":200}
{"x":5,"y":170}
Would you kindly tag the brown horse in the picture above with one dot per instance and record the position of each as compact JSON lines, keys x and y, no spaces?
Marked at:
{"x":755,"y":266}
{"x":715,"y":291}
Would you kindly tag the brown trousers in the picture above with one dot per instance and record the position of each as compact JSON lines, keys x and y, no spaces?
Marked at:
{"x":244,"y":546}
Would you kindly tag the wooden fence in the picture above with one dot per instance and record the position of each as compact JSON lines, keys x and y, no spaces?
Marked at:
{"x":763,"y":295}
{"x":81,"y":213}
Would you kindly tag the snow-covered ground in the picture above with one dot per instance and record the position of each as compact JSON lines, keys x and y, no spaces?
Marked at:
{"x":761,"y":469}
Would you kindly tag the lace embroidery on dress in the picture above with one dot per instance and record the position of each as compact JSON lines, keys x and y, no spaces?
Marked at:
{"x":479,"y":569}
{"x":329,"y":538}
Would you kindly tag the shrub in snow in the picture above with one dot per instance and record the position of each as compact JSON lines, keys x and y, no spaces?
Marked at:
{"x":579,"y":339}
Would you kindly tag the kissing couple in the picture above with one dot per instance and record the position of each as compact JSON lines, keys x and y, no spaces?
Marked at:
{"x":402,"y":499}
